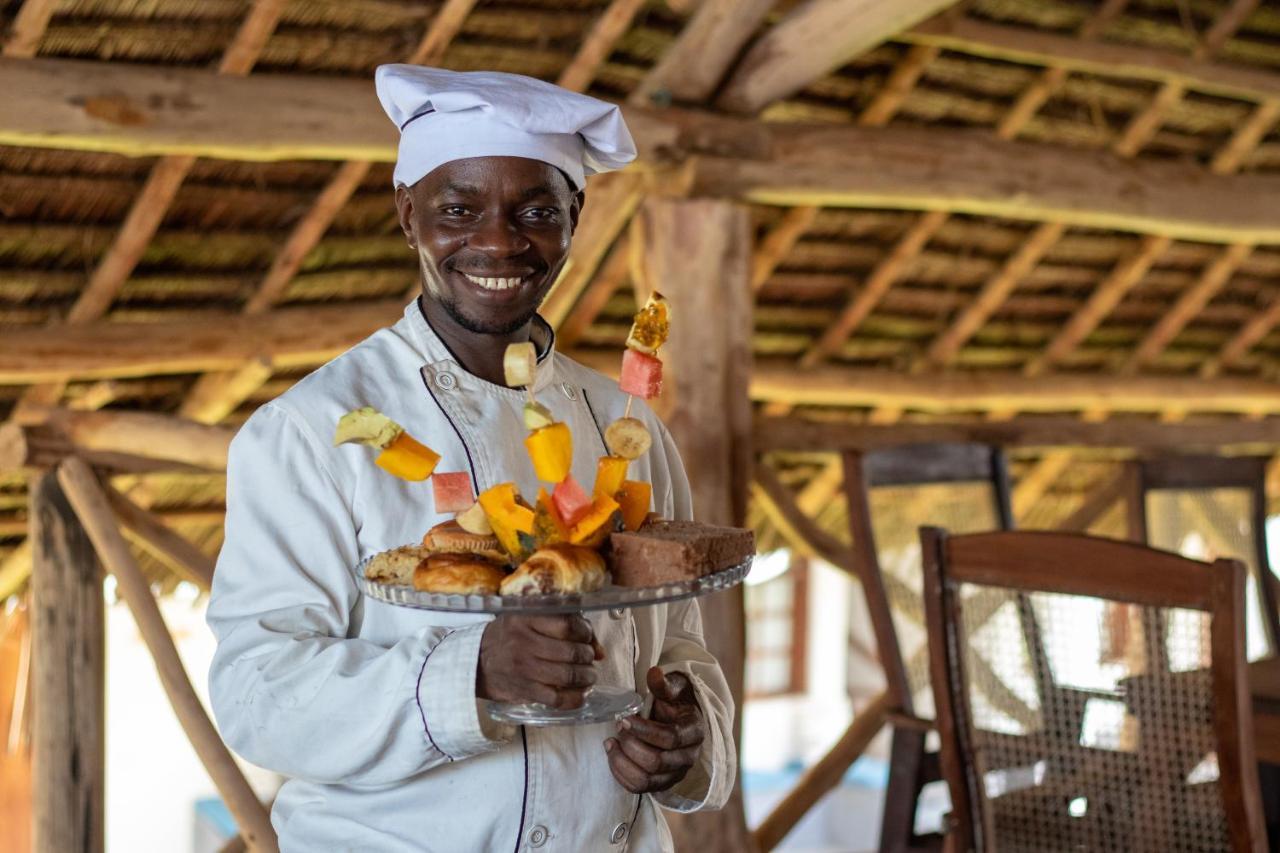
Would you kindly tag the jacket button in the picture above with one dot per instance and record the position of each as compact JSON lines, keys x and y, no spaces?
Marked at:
{"x":619,"y":833}
{"x":614,"y":613}
{"x":447,"y":381}
{"x":569,"y":390}
{"x":538,"y":836}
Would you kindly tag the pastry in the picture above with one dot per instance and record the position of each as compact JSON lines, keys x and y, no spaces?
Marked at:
{"x":462,"y":574}
{"x":557,"y":569}
{"x":674,"y":551}
{"x":448,"y":537}
{"x":395,"y":566}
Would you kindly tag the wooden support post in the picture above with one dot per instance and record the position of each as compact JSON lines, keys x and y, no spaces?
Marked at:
{"x":91,"y":505}
{"x":701,"y":252}
{"x":69,"y":642}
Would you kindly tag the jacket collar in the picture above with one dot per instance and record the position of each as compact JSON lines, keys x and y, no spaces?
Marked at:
{"x":415,"y":328}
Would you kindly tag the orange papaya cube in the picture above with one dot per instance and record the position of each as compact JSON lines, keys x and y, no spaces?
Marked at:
{"x":641,"y":375}
{"x":506,"y":516}
{"x":571,"y":501}
{"x":452,"y":491}
{"x":548,"y":527}
{"x":407,"y":459}
{"x":633,"y":498}
{"x":601,"y":513}
{"x":610,"y":472}
{"x":551,"y":449}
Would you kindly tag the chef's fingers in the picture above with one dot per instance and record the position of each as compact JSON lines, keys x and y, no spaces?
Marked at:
{"x":684,"y":733}
{"x":569,"y":627}
{"x":597,"y":648}
{"x":653,"y":760}
{"x":629,"y":774}
{"x":673,"y":688}
{"x":560,"y":675}
{"x":560,"y":651}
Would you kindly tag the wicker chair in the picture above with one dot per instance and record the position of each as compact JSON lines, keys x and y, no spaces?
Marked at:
{"x":1157,"y":759}
{"x":891,"y":494}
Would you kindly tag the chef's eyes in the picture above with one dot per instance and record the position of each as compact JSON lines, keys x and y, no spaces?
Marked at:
{"x":533,"y":214}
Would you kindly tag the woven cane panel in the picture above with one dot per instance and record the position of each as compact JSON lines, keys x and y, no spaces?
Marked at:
{"x":1205,"y":524}
{"x":1077,"y":754}
{"x":897,"y":514}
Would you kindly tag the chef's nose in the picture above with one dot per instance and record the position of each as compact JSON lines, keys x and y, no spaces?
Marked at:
{"x":500,"y":238}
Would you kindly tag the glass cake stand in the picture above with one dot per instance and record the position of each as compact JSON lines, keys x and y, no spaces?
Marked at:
{"x":603,"y":704}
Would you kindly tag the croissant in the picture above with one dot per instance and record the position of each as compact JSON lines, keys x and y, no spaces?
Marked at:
{"x":557,"y":569}
{"x":463,"y":574}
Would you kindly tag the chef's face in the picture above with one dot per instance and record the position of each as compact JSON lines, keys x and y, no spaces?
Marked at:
{"x":492,"y":234}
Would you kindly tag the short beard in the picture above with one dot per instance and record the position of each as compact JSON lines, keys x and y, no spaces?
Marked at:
{"x":481,"y":327}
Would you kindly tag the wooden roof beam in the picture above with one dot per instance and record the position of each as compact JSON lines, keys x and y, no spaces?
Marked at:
{"x":612,"y":24}
{"x":693,"y":67}
{"x":812,"y":40}
{"x":1141,"y":434}
{"x":774,"y":247}
{"x":1038,"y":47}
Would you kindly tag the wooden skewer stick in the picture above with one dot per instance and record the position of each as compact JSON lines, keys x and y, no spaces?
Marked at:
{"x":90,"y":503}
{"x":630,"y":400}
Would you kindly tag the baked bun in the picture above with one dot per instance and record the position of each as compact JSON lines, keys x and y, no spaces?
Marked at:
{"x":448,"y":537}
{"x":557,"y":569}
{"x":395,"y":566}
{"x":462,"y":574}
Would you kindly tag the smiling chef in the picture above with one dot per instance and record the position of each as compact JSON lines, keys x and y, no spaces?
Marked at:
{"x":372,"y":711}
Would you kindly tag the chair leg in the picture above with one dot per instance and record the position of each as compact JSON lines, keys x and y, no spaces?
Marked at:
{"x":897,"y":823}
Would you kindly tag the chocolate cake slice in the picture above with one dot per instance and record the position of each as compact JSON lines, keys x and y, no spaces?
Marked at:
{"x":673,"y":551}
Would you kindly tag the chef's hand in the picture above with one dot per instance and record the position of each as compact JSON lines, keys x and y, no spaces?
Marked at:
{"x":654,"y":754}
{"x":546,"y":659}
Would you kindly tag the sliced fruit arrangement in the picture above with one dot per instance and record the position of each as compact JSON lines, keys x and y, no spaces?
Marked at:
{"x":401,"y":455}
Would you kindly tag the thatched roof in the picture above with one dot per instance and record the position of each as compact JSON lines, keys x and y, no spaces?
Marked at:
{"x":61,"y":210}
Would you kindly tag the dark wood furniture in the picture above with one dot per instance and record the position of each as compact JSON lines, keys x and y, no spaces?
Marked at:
{"x":1135,"y":769}
{"x":1213,"y":505}
{"x":891,"y":493}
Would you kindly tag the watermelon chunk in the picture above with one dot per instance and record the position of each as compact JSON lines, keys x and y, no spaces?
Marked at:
{"x":571,"y":501}
{"x":453,"y":491}
{"x":641,"y":375}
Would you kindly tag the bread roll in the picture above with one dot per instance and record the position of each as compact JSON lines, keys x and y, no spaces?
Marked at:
{"x":557,"y":569}
{"x":462,"y":574}
{"x":395,"y":566}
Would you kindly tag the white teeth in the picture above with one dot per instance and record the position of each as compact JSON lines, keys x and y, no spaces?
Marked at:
{"x":493,"y":283}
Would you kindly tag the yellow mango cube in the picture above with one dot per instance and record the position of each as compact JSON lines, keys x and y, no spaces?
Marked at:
{"x":611,"y":471}
{"x":551,"y":449}
{"x":633,"y":498}
{"x":508,"y":518}
{"x":592,"y":529}
{"x":407,"y":458}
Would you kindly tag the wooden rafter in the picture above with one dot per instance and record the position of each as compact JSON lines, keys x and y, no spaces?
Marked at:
{"x":611,"y":275}
{"x":157,"y":195}
{"x":28,"y":28}
{"x":1189,"y":304}
{"x":774,"y":247}
{"x":1141,"y":434}
{"x":864,"y":301}
{"x":1246,"y":138}
{"x":613,"y":22}
{"x":994,"y":293}
{"x":906,"y":74}
{"x":1244,"y":340}
{"x":812,"y":40}
{"x":1038,"y":47}
{"x":1104,"y":298}
{"x":693,"y":67}
{"x":216,"y":395}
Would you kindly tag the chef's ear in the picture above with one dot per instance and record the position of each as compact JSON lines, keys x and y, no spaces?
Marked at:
{"x":404,"y":209}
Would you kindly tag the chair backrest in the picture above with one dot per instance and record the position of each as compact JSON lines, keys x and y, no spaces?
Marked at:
{"x":1211,"y":506}
{"x":1117,"y":756}
{"x":892,"y":493}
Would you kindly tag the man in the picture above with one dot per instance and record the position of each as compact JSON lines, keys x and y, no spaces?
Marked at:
{"x":375,"y":712}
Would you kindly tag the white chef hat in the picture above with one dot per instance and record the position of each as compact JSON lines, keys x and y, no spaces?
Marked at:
{"x":452,"y":115}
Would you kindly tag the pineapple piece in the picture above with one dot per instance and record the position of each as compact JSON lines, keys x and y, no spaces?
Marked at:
{"x":473,"y":520}
{"x":537,"y":416}
{"x":366,"y":426}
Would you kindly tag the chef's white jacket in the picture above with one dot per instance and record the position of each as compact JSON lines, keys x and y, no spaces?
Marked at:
{"x":370,"y":709}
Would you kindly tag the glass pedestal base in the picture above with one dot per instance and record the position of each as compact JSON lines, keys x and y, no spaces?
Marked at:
{"x":602,"y":705}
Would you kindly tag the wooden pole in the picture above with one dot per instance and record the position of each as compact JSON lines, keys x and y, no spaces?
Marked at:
{"x":91,"y":505}
{"x":701,"y":253}
{"x":69,"y":644}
